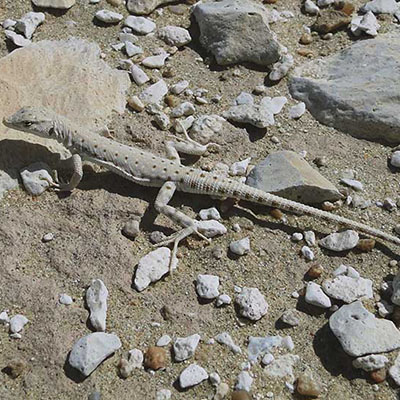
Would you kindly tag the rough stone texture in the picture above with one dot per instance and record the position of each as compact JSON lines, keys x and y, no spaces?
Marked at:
{"x":91,"y":350}
{"x":371,"y":362}
{"x":360,"y":333}
{"x":251,"y":303}
{"x":340,"y":241}
{"x":192,"y":375}
{"x":348,"y":289}
{"x":236,"y":31}
{"x":145,"y":7}
{"x":96,"y":300}
{"x":286,"y":174}
{"x":340,"y":91}
{"x":61,"y":4}
{"x":36,"y":178}
{"x":185,"y":348}
{"x":84,"y":89}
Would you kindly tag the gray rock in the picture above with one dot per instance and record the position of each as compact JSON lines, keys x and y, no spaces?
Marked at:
{"x":364,"y":23}
{"x":380,"y":7}
{"x":156,"y":61}
{"x":396,"y":290}
{"x":36,"y":178}
{"x":291,"y":317}
{"x":348,"y":289}
{"x":65,"y":299}
{"x":354,"y":184}
{"x":140,"y":25}
{"x":17,"y":39}
{"x":185,"y":348}
{"x":175,"y":36}
{"x":96,"y":300}
{"x":282,"y":367}
{"x":297,"y":111}
{"x":244,"y":381}
{"x":251,"y":304}
{"x":340,"y":241}
{"x":145,"y":7}
{"x":240,"y":247}
{"x":207,"y":286}
{"x":360,"y":333}
{"x":140,"y":78}
{"x":109,"y":17}
{"x":340,"y":91}
{"x":91,"y":350}
{"x":28,"y":23}
{"x":192,"y":375}
{"x":226,"y":339}
{"x":17,"y":323}
{"x":371,"y":362}
{"x":209,"y":213}
{"x":236,"y":31}
{"x":244,"y":98}
{"x":164,"y":340}
{"x":394,"y":371}
{"x":131,"y":229}
{"x":288,"y":175}
{"x":316,"y":297}
{"x":395,"y":159}
{"x":154,"y":93}
{"x":258,"y":346}
{"x":61,"y":4}
{"x":205,"y":127}
{"x":222,"y":300}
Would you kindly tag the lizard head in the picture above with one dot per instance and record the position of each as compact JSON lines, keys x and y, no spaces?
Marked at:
{"x":36,"y":120}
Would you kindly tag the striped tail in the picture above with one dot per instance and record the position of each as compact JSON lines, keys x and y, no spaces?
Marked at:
{"x":213,"y":185}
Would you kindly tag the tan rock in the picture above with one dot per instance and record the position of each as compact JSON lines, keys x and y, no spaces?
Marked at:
{"x":307,"y":386}
{"x":331,"y":21}
{"x":155,"y":358}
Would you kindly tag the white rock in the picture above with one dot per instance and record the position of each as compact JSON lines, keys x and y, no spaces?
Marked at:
{"x":297,"y":111}
{"x":297,"y":237}
{"x":309,"y":237}
{"x":8,"y":23}
{"x":128,"y":37}
{"x":345,"y":270}
{"x":96,"y":300}
{"x":205,"y":127}
{"x":371,"y":362}
{"x":48,"y":237}
{"x":364,"y":23}
{"x":223,"y":299}
{"x":17,"y":323}
{"x":36,"y":178}
{"x":348,"y":289}
{"x":287,"y":343}
{"x":135,"y":358}
{"x":281,"y":68}
{"x":384,"y":308}
{"x":395,"y":159}
{"x":316,"y":297}
{"x":244,"y":381}
{"x":394,"y":371}
{"x":179,"y":87}
{"x":91,"y":350}
{"x":192,"y":375}
{"x":290,"y":317}
{"x":15,"y":336}
{"x":164,"y":340}
{"x":226,"y":339}
{"x":209,"y":213}
{"x":162,"y":121}
{"x":156,"y":61}
{"x":138,"y":75}
{"x":17,"y":39}
{"x":184,"y":109}
{"x":118,"y":46}
{"x":355,"y":185}
{"x":240,"y":247}
{"x":65,"y":299}
{"x":239,"y":168}
{"x":4,"y":318}
{"x":244,"y":98}
{"x":211,"y":228}
{"x":207,"y":286}
{"x":282,"y":367}
{"x":131,"y":49}
{"x":163,"y":394}
{"x":154,"y":93}
{"x":140,"y":25}
{"x":251,"y":303}
{"x":60,"y":4}
{"x":215,"y":379}
{"x":325,"y":3}
{"x":267,"y":359}
{"x":28,"y":23}
{"x":360,"y":333}
{"x":152,"y":267}
{"x":340,"y":241}
{"x":308,"y":254}
{"x":175,"y":36}
{"x":258,"y":346}
{"x":381,"y":7}
{"x":274,"y":105}
{"x":311,"y":8}
{"x":184,"y":348}
{"x":109,"y":17}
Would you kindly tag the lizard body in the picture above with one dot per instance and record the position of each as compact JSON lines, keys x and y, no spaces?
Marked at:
{"x":148,"y":169}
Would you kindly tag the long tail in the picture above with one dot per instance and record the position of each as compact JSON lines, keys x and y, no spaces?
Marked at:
{"x":208,"y":184}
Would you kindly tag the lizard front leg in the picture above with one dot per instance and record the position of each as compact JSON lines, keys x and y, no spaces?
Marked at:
{"x":75,"y":162}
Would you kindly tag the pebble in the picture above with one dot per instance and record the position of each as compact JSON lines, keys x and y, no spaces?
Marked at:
{"x":65,"y":299}
{"x":340,"y":241}
{"x":244,"y":98}
{"x":226,"y":339}
{"x":281,"y":68}
{"x":215,"y":379}
{"x":17,"y":323}
{"x":251,"y":304}
{"x":152,"y":267}
{"x":366,"y":23}
{"x":222,"y":300}
{"x":175,"y":36}
{"x":163,"y":394}
{"x":154,"y":93}
{"x":109,"y":17}
{"x":297,"y":237}
{"x":140,"y":25}
{"x":267,"y":359}
{"x":96,"y":300}
{"x":287,"y":343}
{"x":395,"y":159}
{"x":4,"y":318}
{"x":36,"y":178}
{"x":207,"y":286}
{"x":348,"y":289}
{"x":240,"y":395}
{"x":206,"y":126}
{"x":258,"y":346}
{"x":155,"y":358}
{"x":394,"y":371}
{"x":131,"y":229}
{"x":162,"y":121}
{"x":179,"y":87}
{"x":48,"y":237}
{"x":132,"y":50}
{"x":371,"y":362}
{"x":361,"y":333}
{"x":291,"y":317}
{"x":282,"y":366}
{"x":306,"y":38}
{"x":28,"y":23}
{"x":91,"y":350}
{"x":389,"y":204}
{"x":8,"y":23}
{"x":240,"y":247}
{"x":315,"y":271}
{"x":209,"y":213}
{"x":138,"y":75}
{"x":156,"y":61}
{"x":310,"y":7}
{"x":354,"y":184}
{"x":315,"y":296}
{"x":135,"y":103}
{"x":384,"y":308}
{"x":133,"y":361}
{"x":297,"y":111}
{"x":306,"y":386}
{"x":239,"y":168}
{"x":308,"y":254}
{"x":244,"y":381}
{"x":15,"y":368}
{"x":184,"y":109}
{"x":192,"y":375}
{"x":211,"y":228}
{"x":164,"y":340}
{"x":184,"y":348}
{"x":59,"y":4}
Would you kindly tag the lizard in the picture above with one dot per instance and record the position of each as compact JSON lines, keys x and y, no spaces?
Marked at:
{"x":145,"y":168}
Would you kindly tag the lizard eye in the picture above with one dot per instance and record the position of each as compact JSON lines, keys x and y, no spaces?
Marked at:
{"x":27,"y":123}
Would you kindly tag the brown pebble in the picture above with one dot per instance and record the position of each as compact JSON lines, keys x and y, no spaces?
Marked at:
{"x":366,"y":245}
{"x":315,"y":271}
{"x":320,"y":161}
{"x":240,"y":395}
{"x":155,"y":358}
{"x":328,"y":206}
{"x":124,"y":368}
{"x":15,"y":368}
{"x":171,"y":101}
{"x":331,"y":21}
{"x":306,"y":386}
{"x":168,"y":72}
{"x":306,"y":38}
{"x":305,"y":52}
{"x":379,"y":375}
{"x":276,"y":213}
{"x":270,"y":1}
{"x":346,"y":7}
{"x":396,"y":316}
{"x":178,"y":9}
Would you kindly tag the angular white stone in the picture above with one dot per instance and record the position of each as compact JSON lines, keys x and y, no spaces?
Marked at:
{"x":309,"y":237}
{"x":251,"y":303}
{"x":36,"y":178}
{"x":8,"y":23}
{"x":315,"y":296}
{"x":179,"y":87}
{"x":175,"y":36}
{"x":364,"y":23}
{"x":348,"y":289}
{"x":267,"y":359}
{"x":240,"y":247}
{"x":226,"y":339}
{"x":223,"y":299}
{"x":164,"y":340}
{"x":65,"y":299}
{"x":207,"y":286}
{"x":156,"y":61}
{"x":340,"y":241}
{"x":211,"y":228}
{"x":4,"y":318}
{"x":184,"y":109}
{"x":282,"y":367}
{"x":281,"y":68}
{"x":138,"y":75}
{"x":381,"y":7}
{"x":258,"y":346}
{"x":17,"y":323}
{"x":91,"y":350}
{"x":310,"y":7}
{"x":209,"y":213}
{"x":239,"y":168}
{"x":28,"y":23}
{"x":244,"y":381}
{"x":356,"y":185}
{"x":17,"y":39}
{"x":297,"y":111}
{"x":131,"y":49}
{"x":61,"y":4}
{"x":109,"y":17}
{"x":371,"y":362}
{"x":154,"y":93}
{"x":205,"y":127}
{"x":308,"y":254}
{"x":192,"y":375}
{"x":395,"y":159}
{"x":96,"y":300}
{"x":140,"y":25}
{"x":185,"y":348}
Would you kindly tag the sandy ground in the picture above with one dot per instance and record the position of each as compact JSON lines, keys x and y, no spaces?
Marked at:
{"x":88,"y":242}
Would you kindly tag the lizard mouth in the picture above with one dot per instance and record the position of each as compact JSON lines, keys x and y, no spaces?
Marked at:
{"x":6,"y":122}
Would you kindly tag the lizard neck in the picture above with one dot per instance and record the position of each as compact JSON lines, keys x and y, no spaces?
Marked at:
{"x":64,"y":134}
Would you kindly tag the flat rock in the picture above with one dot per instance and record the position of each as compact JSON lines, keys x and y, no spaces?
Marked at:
{"x":140,"y":25}
{"x":288,"y":175}
{"x":207,"y":286}
{"x":340,"y":91}
{"x":185,"y":348}
{"x":258,"y":346}
{"x":244,"y":381}
{"x":36,"y":178}
{"x":206,"y":126}
{"x":61,"y":4}
{"x":175,"y":36}
{"x":109,"y":17}
{"x":28,"y":23}
{"x":17,"y":39}
{"x":192,"y":375}
{"x":371,"y":362}
{"x":17,"y":323}
{"x":360,"y":333}
{"x":91,"y":350}
{"x":145,"y":7}
{"x":96,"y":300}
{"x":154,"y":93}
{"x":251,"y":304}
{"x":316,"y":297}
{"x":340,"y":241}
{"x":282,"y":367}
{"x":226,"y":339}
{"x":236,"y":31}
{"x":348,"y":289}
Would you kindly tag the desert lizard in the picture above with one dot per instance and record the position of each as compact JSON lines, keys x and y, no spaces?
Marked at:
{"x":147,"y":169}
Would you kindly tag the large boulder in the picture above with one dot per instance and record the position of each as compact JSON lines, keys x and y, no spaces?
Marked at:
{"x":236,"y":31}
{"x":355,"y":90}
